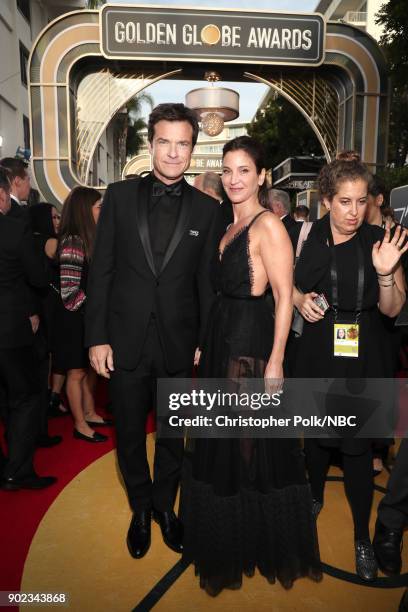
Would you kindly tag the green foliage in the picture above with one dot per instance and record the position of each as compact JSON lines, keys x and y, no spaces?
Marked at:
{"x":283,"y":132}
{"x":135,"y":123}
{"x":394,"y":177}
{"x":393,"y":16}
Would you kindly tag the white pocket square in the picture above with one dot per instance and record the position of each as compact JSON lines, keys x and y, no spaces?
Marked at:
{"x":194,"y":232}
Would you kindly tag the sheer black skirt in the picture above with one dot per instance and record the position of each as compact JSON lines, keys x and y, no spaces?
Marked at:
{"x":245,"y":503}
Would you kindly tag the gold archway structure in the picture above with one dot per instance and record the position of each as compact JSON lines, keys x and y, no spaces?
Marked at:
{"x":75,"y":90}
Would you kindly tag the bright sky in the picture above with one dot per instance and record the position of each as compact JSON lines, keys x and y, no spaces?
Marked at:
{"x":250,"y":93}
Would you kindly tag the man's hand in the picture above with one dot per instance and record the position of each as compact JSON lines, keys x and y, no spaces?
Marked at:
{"x":101,"y":358}
{"x":35,"y":323}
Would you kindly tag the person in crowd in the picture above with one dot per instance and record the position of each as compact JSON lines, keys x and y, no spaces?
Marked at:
{"x":19,"y":376}
{"x":44,"y":222}
{"x":149,"y":295}
{"x":392,"y":516}
{"x":76,"y":237}
{"x":379,"y":214}
{"x":20,"y":184}
{"x":246,"y":504}
{"x":301,"y":213}
{"x":278,"y":201}
{"x":211,"y":184}
{"x":357,"y":268}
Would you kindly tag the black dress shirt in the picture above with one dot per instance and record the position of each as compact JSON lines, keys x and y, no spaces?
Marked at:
{"x":163,"y":213}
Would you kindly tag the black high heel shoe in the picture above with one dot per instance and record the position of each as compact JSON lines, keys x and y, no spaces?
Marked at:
{"x":96,"y":437}
{"x":104,"y":423}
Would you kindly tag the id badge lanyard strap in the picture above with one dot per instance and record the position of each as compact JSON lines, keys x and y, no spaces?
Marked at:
{"x":334,"y":277}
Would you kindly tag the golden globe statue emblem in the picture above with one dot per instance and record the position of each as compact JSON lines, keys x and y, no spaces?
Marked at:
{"x":210,"y":34}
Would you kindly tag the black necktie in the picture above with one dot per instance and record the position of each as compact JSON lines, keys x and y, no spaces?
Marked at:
{"x":172,"y":190}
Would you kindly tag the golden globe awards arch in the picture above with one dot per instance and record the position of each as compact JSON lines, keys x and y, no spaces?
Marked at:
{"x":87,"y":64}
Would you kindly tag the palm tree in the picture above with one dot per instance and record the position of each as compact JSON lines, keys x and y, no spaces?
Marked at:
{"x":128,"y":125}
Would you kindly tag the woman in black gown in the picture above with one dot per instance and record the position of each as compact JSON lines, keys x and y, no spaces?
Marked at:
{"x":337,"y":243}
{"x":245,"y":504}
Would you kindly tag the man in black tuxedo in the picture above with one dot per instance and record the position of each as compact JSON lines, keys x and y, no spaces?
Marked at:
{"x":20,"y":185}
{"x":19,"y":264}
{"x":279,"y":203}
{"x":148,"y":299}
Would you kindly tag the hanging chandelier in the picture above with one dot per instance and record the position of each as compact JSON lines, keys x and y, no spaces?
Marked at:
{"x":213,"y":105}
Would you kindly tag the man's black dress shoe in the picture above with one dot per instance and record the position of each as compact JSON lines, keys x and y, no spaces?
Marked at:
{"x":32,"y":482}
{"x":366,"y":564}
{"x":138,"y":537}
{"x":387,"y":547}
{"x":104,"y":423}
{"x":48,"y":441}
{"x":171,"y":528}
{"x":96,"y":437}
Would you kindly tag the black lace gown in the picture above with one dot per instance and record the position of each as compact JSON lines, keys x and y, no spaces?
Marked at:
{"x":245,"y":503}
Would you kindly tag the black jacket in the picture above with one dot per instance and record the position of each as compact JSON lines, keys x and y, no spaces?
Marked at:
{"x":288,"y":222}
{"x":20,"y":266}
{"x":124,"y":288}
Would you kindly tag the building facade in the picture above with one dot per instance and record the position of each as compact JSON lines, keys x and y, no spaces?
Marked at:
{"x":359,"y":13}
{"x":20,"y":23}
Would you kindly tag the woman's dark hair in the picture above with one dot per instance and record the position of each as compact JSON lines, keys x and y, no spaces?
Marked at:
{"x":171,"y":111}
{"x":41,"y":219}
{"x":77,"y":218}
{"x":256,"y":152}
{"x":377,"y":187}
{"x":338,"y":171}
{"x":348,"y":156}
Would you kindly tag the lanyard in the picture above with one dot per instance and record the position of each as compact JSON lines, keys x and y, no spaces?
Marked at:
{"x":333,"y":275}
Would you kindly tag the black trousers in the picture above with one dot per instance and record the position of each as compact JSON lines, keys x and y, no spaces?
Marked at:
{"x":133,"y":394}
{"x":393,"y":508}
{"x":19,"y":381}
{"x":41,"y":352}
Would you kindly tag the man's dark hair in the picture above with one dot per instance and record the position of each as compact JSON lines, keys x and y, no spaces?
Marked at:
{"x":5,"y":179}
{"x":171,"y":111}
{"x":15,"y":166}
{"x":302,"y":211}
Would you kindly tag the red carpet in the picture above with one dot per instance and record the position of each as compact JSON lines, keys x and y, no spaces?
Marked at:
{"x":22,"y":511}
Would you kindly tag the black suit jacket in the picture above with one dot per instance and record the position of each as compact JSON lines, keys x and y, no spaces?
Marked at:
{"x":20,"y":266}
{"x":288,"y":222}
{"x":124,"y":288}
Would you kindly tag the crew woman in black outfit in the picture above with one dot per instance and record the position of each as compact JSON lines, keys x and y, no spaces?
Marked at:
{"x":357,"y":267}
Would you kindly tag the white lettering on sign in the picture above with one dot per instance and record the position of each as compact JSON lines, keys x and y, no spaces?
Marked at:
{"x":190,"y":35}
{"x":166,"y":34}
{"x":272,"y":38}
{"x":149,"y":33}
{"x":230,"y":37}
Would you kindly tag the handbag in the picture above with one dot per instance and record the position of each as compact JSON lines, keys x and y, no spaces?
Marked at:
{"x":298,"y":320}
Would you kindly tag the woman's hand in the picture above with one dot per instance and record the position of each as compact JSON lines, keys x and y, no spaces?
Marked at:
{"x":273,"y":378}
{"x":307,"y":307}
{"x":386,"y":254}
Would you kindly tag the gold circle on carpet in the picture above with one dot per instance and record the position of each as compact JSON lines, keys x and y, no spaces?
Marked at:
{"x":79,"y":548}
